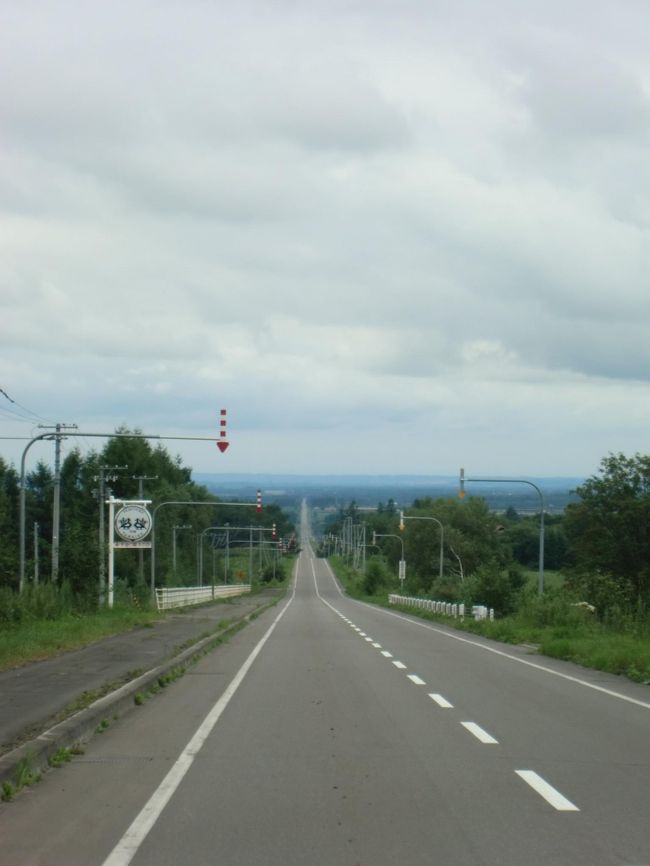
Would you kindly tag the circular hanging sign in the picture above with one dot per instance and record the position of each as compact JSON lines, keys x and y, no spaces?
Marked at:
{"x":133,"y":522}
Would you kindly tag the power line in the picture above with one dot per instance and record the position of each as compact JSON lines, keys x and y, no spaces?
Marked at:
{"x":3,"y":393}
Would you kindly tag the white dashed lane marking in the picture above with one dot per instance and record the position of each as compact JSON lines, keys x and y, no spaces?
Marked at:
{"x":442,"y":702}
{"x":479,"y":733}
{"x":548,"y":792}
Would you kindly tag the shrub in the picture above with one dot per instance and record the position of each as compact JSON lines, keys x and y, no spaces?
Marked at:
{"x":375,"y":577}
{"x":492,"y":586}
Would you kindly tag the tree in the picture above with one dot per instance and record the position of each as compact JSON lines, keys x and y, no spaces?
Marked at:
{"x":8,"y":524}
{"x":608,"y":531}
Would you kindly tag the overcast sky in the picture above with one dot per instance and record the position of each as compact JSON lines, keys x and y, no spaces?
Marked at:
{"x":387,"y":236}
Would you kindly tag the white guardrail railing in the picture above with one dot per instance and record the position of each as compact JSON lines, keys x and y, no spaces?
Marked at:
{"x":479,"y":611}
{"x":181,"y":596}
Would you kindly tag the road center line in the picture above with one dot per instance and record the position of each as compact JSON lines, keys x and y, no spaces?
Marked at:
{"x":386,"y":654}
{"x":557,"y":800}
{"x":400,"y":665}
{"x":414,"y":678}
{"x":442,"y":702}
{"x":479,"y":733}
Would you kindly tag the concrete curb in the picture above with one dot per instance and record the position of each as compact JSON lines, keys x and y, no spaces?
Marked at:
{"x":81,"y":727}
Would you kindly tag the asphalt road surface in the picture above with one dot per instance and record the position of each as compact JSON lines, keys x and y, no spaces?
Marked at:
{"x":330,"y":733}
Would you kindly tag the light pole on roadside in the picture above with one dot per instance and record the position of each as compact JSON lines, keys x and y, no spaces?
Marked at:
{"x":402,"y":563}
{"x":541,"y":509}
{"x":53,"y":436}
{"x":191,"y":503}
{"x":403,"y":517}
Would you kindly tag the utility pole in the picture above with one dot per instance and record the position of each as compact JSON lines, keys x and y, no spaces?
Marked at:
{"x":56,"y":506}
{"x":102,"y":478}
{"x":35,"y":553}
{"x":141,"y":479}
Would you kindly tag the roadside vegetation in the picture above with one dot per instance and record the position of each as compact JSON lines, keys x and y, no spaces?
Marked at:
{"x":595,"y":609}
{"x":50,"y":616}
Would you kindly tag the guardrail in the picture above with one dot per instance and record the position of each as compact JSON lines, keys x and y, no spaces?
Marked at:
{"x":479,"y":611}
{"x":182,"y":596}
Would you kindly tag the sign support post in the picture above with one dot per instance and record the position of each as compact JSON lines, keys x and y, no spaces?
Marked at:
{"x":132,"y":523}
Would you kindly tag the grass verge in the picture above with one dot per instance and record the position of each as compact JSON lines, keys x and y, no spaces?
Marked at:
{"x":551,"y":626}
{"x":38,"y":639}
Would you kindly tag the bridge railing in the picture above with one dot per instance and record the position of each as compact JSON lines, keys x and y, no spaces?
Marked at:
{"x":182,"y":596}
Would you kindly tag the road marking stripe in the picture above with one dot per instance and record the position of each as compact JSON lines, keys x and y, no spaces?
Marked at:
{"x":362,"y":634}
{"x":387,"y":654}
{"x":400,"y":665}
{"x":557,"y":800}
{"x":130,"y":843}
{"x":377,"y":645}
{"x":442,"y":702}
{"x":368,"y":640}
{"x":498,"y":652}
{"x":414,"y":678}
{"x":479,"y":733}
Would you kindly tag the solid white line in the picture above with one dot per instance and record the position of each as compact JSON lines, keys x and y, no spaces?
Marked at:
{"x":414,"y":678}
{"x":442,"y":702}
{"x":129,"y":844}
{"x":503,"y":654}
{"x":386,"y":654}
{"x":400,"y":665}
{"x":479,"y":733}
{"x":546,"y":791}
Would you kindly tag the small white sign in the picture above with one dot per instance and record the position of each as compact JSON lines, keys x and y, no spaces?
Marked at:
{"x":133,"y":522}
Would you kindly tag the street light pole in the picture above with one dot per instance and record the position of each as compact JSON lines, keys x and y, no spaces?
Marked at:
{"x":403,"y":517}
{"x":196,"y":503}
{"x":541,"y":520}
{"x":50,"y":436}
{"x":402,"y":565}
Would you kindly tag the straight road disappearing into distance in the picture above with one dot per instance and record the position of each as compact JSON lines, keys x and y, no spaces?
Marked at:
{"x":330,"y":732}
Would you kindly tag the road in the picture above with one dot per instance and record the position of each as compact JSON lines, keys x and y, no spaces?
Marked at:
{"x":331,"y":732}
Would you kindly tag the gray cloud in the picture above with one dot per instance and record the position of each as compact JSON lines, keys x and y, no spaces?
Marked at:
{"x":347,"y":223}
